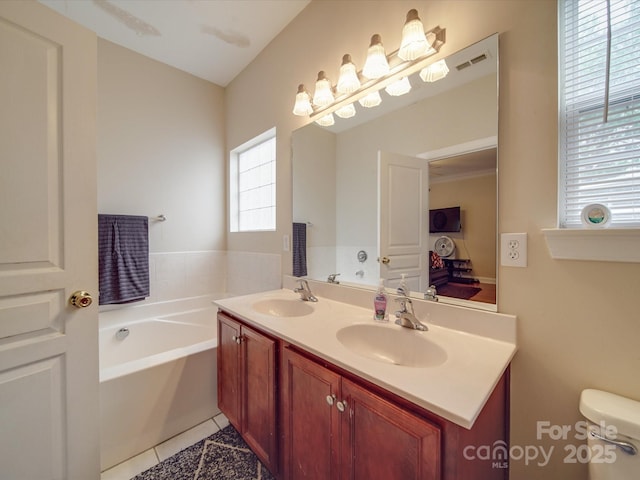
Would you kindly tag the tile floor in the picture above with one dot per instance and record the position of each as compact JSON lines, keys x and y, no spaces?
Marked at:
{"x":138,"y":464}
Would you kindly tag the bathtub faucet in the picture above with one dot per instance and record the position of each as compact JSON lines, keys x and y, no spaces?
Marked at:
{"x":122,"y":333}
{"x":305,"y":291}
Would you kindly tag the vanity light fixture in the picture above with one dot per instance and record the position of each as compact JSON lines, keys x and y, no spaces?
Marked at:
{"x":323,"y":95}
{"x":414,"y":42}
{"x":399,"y":87}
{"x":434,"y":72}
{"x":380,"y":71}
{"x":348,"y":82}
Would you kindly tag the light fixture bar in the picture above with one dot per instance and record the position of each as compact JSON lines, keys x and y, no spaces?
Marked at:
{"x":398,"y":67}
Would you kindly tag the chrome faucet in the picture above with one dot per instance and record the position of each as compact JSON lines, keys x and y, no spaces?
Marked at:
{"x":332,"y":278}
{"x":431,"y":294}
{"x":305,"y":291}
{"x":407,"y":318}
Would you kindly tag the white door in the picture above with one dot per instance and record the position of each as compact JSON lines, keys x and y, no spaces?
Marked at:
{"x":48,"y":246}
{"x":403,"y":220}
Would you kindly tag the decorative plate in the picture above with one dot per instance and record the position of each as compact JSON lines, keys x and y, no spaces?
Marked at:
{"x":444,"y":246}
{"x":596,"y":215}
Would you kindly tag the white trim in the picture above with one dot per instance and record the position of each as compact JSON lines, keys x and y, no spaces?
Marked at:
{"x":255,"y":140}
{"x":607,"y":245}
{"x":463,"y":176}
{"x":460,"y":149}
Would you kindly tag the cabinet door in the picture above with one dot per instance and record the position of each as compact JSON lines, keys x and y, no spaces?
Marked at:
{"x":382,"y":441}
{"x":310,"y":419}
{"x":259,"y":401}
{"x":229,"y":389}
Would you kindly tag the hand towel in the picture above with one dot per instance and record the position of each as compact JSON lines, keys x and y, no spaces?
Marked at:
{"x":299,"y":246}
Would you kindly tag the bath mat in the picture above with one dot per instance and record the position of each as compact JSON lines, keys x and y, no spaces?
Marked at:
{"x":458,"y":291}
{"x":222,"y":456}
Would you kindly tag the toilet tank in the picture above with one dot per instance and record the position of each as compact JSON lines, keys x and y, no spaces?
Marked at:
{"x":614,"y":435}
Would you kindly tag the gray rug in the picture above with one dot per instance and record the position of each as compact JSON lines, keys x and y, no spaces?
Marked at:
{"x":222,"y":456}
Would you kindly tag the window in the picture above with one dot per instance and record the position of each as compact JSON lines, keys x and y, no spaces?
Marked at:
{"x":252,"y":202}
{"x":599,"y":132}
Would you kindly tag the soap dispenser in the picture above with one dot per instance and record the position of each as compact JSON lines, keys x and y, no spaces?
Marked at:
{"x":403,"y":288}
{"x":380,"y":304}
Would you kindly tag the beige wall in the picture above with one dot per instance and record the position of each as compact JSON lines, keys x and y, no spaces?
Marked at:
{"x":160,"y":149}
{"x":476,"y":197}
{"x":578,"y":321}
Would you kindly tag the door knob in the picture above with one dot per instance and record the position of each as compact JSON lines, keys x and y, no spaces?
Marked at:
{"x":80,"y":299}
{"x":385,"y":260}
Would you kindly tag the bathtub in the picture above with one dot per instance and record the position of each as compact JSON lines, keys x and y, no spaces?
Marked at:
{"x":160,"y":378}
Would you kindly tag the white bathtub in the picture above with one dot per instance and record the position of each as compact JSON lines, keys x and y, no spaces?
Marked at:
{"x":159,"y":380}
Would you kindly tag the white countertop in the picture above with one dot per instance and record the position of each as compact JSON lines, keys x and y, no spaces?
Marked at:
{"x":456,"y":389}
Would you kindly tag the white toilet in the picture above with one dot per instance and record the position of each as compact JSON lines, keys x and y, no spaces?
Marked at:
{"x":617,"y":456}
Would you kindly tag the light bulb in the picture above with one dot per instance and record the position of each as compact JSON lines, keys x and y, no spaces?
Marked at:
{"x":414,"y":42}
{"x":376,"y":65}
{"x":302,"y":106}
{"x":347,"y":111}
{"x":435,"y":71}
{"x":399,"y":87}
{"x":322,"y":96}
{"x":326,"y":121}
{"x":371,"y":100}
{"x":348,"y":81}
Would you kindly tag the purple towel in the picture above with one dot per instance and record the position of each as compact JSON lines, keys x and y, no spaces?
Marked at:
{"x":299,"y":244}
{"x":123,"y":258}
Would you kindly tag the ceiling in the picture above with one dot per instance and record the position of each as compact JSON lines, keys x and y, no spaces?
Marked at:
{"x":211,"y":39}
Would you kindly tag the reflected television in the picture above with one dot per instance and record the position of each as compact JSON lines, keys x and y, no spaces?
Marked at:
{"x":444,"y":220}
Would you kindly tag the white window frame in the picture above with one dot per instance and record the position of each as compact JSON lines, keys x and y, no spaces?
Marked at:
{"x":599,"y":159}
{"x":572,"y":240}
{"x":237,"y":207}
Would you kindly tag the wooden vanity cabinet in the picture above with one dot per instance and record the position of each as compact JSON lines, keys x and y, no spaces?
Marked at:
{"x":338,"y":426}
{"x":335,"y":429}
{"x":247,"y":386}
{"x":310,"y":419}
{"x":306,"y":418}
{"x":384,"y":441}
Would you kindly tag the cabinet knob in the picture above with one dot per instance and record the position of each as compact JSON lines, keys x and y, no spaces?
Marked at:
{"x":341,"y":406}
{"x":237,"y":339}
{"x":331,"y":399}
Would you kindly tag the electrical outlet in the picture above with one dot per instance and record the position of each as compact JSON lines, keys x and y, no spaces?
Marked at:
{"x":513,"y":249}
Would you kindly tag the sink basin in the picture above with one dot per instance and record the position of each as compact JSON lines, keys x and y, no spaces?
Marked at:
{"x":278,"y":307}
{"x":398,"y":346}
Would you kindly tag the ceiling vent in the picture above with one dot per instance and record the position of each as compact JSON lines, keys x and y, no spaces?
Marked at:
{"x":471,"y":62}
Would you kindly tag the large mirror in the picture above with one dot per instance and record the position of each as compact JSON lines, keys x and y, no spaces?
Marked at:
{"x":408,"y":187}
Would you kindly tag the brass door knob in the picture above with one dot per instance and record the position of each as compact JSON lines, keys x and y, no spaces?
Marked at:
{"x":385,"y":260}
{"x":81,"y":299}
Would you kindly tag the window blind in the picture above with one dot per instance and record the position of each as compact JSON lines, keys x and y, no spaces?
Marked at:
{"x":599,"y":159}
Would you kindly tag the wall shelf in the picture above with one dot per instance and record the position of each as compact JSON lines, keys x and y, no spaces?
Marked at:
{"x":605,"y":245}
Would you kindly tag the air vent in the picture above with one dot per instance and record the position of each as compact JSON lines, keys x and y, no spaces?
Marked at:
{"x":471,"y":62}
